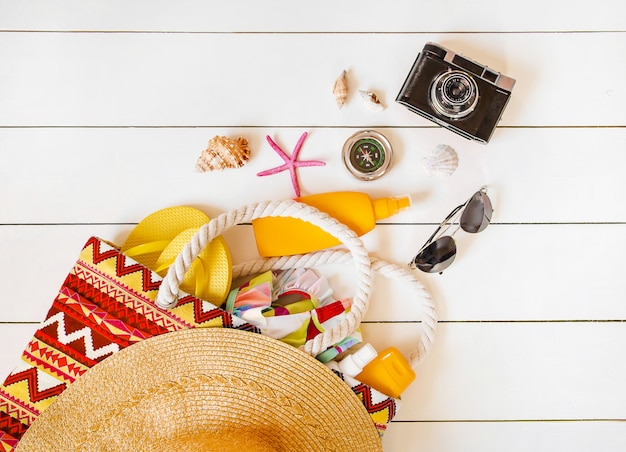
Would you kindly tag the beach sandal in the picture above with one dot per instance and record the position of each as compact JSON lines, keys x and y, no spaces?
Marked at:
{"x":211,"y":272}
{"x":160,"y":236}
{"x":151,"y":236}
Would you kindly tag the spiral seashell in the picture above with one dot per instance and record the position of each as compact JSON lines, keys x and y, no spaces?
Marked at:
{"x":340,"y":89}
{"x":223,"y":152}
{"x":371,"y":100}
{"x":442,"y":161}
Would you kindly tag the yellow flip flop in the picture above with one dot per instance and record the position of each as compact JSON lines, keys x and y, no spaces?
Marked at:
{"x":151,"y":236}
{"x":210,"y":275}
{"x":160,"y":237}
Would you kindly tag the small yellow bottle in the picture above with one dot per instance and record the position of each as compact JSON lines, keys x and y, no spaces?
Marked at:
{"x":389,"y":373}
{"x":284,"y":236}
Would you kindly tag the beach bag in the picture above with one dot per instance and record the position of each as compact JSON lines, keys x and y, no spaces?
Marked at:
{"x":109,"y":302}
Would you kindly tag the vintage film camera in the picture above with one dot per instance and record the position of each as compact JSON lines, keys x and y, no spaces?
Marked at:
{"x":456,"y":92}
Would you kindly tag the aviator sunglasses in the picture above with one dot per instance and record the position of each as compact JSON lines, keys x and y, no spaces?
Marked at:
{"x":439,"y":250}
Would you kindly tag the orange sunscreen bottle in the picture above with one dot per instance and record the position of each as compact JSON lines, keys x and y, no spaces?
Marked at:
{"x":280,"y":236}
{"x":389,"y":373}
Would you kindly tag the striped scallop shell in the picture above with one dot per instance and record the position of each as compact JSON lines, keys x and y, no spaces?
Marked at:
{"x":442,"y":161}
{"x":222,"y":153}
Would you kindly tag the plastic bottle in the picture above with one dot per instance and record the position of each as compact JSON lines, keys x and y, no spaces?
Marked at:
{"x":389,"y":373}
{"x":337,"y":349}
{"x":354,"y":363}
{"x":281,"y":236}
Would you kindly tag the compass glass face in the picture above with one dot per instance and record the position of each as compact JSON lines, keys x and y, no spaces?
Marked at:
{"x":367,"y":155}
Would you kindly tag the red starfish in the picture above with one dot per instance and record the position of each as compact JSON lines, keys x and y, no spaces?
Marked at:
{"x":291,"y":163}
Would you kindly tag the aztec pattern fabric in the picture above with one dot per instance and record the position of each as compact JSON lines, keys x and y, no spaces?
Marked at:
{"x":105,"y":304}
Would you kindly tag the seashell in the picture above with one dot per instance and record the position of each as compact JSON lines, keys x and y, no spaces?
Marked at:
{"x":222,"y":153}
{"x":371,"y":100}
{"x":340,"y":90}
{"x":442,"y":161}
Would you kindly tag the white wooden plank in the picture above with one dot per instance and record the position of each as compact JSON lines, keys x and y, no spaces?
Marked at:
{"x":121,"y":175}
{"x":136,"y":79}
{"x":14,"y":338}
{"x":509,"y":436}
{"x":514,"y":371}
{"x":324,"y":16}
{"x":550,"y":281}
{"x":513,"y":272}
{"x":35,"y":261}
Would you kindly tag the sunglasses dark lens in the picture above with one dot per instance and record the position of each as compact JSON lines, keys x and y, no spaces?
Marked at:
{"x":437,"y":256}
{"x":477,"y":213}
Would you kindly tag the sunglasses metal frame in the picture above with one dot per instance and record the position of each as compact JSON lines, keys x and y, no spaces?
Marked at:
{"x":453,"y":219}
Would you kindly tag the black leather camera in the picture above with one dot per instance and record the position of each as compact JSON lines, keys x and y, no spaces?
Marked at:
{"x":456,"y":92}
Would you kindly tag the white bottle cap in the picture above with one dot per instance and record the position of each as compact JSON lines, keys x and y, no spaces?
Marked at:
{"x":353,"y":364}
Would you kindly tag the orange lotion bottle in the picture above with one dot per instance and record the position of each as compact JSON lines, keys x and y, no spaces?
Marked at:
{"x":285,"y":236}
{"x":389,"y":373}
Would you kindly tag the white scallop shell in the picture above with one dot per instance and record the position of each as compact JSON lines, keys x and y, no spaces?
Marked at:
{"x":442,"y":161}
{"x":371,"y":101}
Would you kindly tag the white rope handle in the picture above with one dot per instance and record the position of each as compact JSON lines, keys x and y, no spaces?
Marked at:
{"x":168,"y":292}
{"x":339,"y":256}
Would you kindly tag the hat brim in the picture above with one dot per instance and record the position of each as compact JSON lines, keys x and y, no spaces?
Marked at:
{"x":206,"y":389}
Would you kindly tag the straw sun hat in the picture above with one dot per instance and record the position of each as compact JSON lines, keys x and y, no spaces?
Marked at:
{"x":206,"y":389}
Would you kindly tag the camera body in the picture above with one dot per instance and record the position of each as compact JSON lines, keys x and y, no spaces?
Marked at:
{"x":456,"y":92}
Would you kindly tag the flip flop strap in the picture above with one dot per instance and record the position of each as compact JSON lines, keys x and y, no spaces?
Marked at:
{"x":147,"y":248}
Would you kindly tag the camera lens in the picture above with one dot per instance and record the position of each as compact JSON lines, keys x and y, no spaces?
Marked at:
{"x":457,"y":90}
{"x":454,"y":94}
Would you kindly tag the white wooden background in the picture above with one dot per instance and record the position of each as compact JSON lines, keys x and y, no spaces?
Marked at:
{"x":105,"y":105}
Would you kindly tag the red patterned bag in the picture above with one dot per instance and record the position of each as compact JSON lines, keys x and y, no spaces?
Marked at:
{"x":109,"y":301}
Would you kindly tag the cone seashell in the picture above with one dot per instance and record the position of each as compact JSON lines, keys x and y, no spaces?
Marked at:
{"x":442,"y":161}
{"x":223,"y":152}
{"x":371,"y":100}
{"x":340,"y":90}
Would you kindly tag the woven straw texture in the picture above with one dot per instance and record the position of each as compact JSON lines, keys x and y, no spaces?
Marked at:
{"x":206,"y":389}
